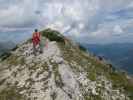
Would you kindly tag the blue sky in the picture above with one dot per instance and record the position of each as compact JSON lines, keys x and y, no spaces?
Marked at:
{"x":87,"y":21}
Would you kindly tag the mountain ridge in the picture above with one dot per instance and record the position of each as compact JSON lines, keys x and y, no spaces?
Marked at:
{"x":63,"y":72}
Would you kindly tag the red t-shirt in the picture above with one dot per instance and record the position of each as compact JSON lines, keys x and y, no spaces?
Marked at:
{"x":36,"y":38}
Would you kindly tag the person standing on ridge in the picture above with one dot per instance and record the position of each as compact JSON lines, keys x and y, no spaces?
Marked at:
{"x":36,"y":39}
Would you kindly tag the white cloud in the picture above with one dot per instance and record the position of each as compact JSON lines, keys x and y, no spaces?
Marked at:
{"x":111,"y":5}
{"x":78,"y":18}
{"x":19,"y":15}
{"x":81,"y":26}
{"x":6,"y":29}
{"x":118,"y":30}
{"x":102,"y":33}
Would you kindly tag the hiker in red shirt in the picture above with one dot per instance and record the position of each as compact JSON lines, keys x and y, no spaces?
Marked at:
{"x":36,"y":39}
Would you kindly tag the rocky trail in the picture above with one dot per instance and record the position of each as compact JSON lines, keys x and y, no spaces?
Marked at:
{"x":36,"y":77}
{"x":49,"y":77}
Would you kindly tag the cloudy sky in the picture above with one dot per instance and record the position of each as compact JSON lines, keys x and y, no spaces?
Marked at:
{"x":87,"y":21}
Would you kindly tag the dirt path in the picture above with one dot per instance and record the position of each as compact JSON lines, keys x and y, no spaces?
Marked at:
{"x":36,"y":77}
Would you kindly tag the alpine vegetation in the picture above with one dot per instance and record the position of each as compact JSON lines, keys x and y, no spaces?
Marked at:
{"x":63,"y":71}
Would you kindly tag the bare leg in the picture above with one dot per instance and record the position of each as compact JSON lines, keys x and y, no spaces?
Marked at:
{"x":34,"y":50}
{"x":41,"y":47}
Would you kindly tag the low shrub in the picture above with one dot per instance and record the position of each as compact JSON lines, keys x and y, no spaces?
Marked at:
{"x":15,"y":48}
{"x":82,"y":48}
{"x":53,"y":35}
{"x":5,"y":55}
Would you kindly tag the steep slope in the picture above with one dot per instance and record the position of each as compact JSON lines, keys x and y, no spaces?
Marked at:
{"x":62,"y":72}
{"x":119,"y":54}
{"x":6,"y":46}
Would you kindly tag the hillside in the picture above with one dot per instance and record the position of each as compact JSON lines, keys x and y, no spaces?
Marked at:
{"x":6,"y":46}
{"x":119,"y":54}
{"x":63,"y":72}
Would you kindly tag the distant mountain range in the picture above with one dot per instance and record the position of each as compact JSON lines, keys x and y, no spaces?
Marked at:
{"x":6,"y":46}
{"x":120,"y":55}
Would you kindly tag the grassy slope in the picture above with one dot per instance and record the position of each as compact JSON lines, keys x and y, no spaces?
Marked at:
{"x":73,"y":53}
{"x":78,"y":54}
{"x":119,"y":79}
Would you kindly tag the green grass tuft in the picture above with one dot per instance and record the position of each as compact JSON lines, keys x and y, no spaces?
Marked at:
{"x":11,"y":94}
{"x":4,"y":56}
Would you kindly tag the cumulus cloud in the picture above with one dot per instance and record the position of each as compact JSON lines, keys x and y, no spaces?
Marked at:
{"x":81,"y":19}
{"x":118,"y":30}
{"x":18,"y":15}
